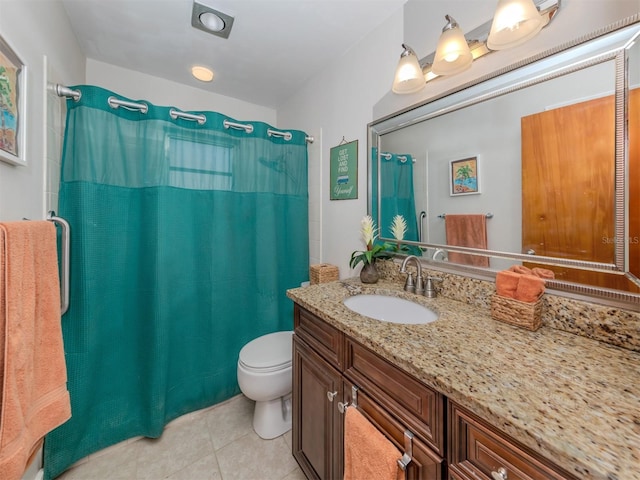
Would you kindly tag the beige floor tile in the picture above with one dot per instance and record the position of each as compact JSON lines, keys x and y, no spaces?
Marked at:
{"x":215,"y":444}
{"x":296,"y":475}
{"x":177,"y":448}
{"x":230,"y":421}
{"x":204,"y":469}
{"x":252,"y":458}
{"x":118,"y":464}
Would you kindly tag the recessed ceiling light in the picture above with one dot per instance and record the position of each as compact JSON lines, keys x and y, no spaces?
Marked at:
{"x":211,"y":20}
{"x":201,"y":73}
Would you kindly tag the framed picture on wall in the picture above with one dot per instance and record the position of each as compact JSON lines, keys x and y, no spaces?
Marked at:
{"x":463,"y":176}
{"x":12,"y":106}
{"x":344,"y":171}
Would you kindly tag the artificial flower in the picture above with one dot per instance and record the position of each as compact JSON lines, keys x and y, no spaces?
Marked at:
{"x":398,"y":227}
{"x":369,"y":234}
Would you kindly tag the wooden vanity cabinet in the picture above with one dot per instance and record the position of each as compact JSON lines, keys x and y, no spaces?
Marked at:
{"x":326,"y":365}
{"x":478,"y":450}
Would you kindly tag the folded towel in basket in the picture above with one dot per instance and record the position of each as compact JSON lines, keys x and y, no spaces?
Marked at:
{"x":367,"y":452}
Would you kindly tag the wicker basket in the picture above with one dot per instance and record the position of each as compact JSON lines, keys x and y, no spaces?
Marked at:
{"x":515,"y":312}
{"x":323,"y":273}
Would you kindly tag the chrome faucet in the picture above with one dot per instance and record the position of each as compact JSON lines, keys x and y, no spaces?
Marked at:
{"x":410,"y":286}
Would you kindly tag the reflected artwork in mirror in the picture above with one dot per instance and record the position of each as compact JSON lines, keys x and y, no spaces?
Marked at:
{"x":558,"y":137}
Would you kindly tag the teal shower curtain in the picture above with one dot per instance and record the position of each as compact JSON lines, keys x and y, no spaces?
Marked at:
{"x":185,"y":237}
{"x":395,"y":190}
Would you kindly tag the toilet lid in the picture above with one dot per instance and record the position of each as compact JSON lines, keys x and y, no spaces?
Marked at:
{"x":271,"y":351}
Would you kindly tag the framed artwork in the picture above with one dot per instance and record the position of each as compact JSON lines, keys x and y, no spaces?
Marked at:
{"x":344,"y":171}
{"x":12,"y":106}
{"x":463,"y":177}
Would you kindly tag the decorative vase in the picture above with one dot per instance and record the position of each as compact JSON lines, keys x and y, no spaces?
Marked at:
{"x":369,"y":273}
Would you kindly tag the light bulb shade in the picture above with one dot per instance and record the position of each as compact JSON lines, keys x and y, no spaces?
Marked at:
{"x":201,"y":73}
{"x":409,"y":77}
{"x":212,"y":21}
{"x":452,"y":53}
{"x":514,"y":22}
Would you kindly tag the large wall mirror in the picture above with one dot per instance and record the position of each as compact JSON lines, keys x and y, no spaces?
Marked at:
{"x":541,"y":160}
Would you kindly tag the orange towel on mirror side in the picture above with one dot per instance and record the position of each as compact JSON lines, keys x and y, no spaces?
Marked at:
{"x":530,"y":288}
{"x":467,"y":231}
{"x":34,"y":398}
{"x":520,"y":269}
{"x":367,"y":452}
{"x":507,"y":283}
{"x":543,"y":273}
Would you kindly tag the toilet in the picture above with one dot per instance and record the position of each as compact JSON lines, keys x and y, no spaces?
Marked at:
{"x":264,"y":375}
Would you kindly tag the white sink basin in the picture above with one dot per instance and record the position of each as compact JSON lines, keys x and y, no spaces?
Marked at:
{"x":390,"y":309}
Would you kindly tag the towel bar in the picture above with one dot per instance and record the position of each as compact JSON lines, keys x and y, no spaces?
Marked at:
{"x":443,"y":215}
{"x":404,"y":462}
{"x":342,"y":406}
{"x":64,"y":260}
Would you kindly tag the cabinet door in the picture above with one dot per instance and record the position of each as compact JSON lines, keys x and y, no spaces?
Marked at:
{"x":425,"y":463}
{"x":317,"y":424}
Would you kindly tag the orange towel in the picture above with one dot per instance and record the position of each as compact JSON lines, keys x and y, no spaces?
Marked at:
{"x":507,"y":283}
{"x":467,"y":231}
{"x":521,"y":269}
{"x":543,"y":273}
{"x":530,"y":288}
{"x":34,"y":398}
{"x":367,"y":452}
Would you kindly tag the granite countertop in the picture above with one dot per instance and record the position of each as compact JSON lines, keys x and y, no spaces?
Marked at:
{"x":574,"y":400}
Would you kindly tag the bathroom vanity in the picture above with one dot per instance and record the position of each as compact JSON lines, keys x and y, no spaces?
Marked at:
{"x":466,"y":396}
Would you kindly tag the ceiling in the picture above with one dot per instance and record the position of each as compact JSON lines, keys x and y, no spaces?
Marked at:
{"x":275,"y":46}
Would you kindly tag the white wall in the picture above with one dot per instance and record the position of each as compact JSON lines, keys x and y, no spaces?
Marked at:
{"x":334,"y":105}
{"x":139,"y":86}
{"x":35,"y":33}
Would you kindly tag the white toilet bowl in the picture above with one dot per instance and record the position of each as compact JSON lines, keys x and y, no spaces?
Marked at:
{"x":264,"y":375}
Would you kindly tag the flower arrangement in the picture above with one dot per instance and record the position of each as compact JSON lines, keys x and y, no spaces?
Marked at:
{"x":369,"y":235}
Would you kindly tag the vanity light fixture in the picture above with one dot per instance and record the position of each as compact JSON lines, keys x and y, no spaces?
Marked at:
{"x":514,"y":22}
{"x":452,"y":53}
{"x":211,"y":20}
{"x":201,"y":73}
{"x":508,"y":34}
{"x":409,"y":77}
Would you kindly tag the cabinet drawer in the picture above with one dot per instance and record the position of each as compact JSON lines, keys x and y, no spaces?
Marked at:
{"x":477,"y":450}
{"x":420,"y":407}
{"x":322,"y":337}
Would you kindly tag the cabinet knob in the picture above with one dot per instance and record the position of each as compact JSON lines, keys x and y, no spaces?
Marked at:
{"x":342,"y":406}
{"x":331,"y":395}
{"x":501,"y":474}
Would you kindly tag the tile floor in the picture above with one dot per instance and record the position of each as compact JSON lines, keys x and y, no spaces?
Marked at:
{"x":213,"y":444}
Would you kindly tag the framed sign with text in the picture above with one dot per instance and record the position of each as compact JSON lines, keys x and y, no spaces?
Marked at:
{"x":344,"y":171}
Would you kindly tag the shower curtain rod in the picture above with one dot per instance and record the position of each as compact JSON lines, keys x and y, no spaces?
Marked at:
{"x":114,"y":102}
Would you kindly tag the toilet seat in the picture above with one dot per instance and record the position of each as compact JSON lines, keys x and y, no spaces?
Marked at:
{"x":268,"y":353}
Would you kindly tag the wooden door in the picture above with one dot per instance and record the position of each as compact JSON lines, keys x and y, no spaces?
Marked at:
{"x":568,"y":188}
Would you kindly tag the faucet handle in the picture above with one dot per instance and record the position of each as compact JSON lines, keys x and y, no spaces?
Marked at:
{"x":419,"y":285}
{"x":409,"y":285}
{"x":430,"y":289}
